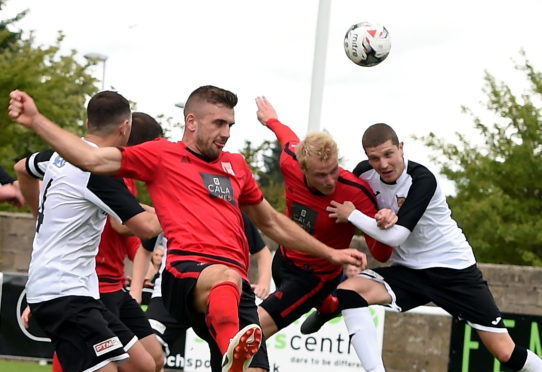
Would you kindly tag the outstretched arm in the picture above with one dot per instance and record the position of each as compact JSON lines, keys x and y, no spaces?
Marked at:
{"x":267,"y":115}
{"x":286,"y":232}
{"x":347,"y":212}
{"x":104,"y":160}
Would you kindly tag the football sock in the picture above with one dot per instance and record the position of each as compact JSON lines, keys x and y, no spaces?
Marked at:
{"x":57,"y":367}
{"x":532,"y":364}
{"x":222,"y":317}
{"x":362,"y":330}
{"x":329,"y":305}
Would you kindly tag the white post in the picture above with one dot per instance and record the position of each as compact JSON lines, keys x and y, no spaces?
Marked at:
{"x":319,"y":65}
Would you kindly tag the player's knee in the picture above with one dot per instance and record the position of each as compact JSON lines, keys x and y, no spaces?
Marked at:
{"x":159,"y":361}
{"x":231,"y":275}
{"x":349,"y":299}
{"x":514,"y":360}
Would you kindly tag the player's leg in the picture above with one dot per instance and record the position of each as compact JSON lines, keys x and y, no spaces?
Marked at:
{"x":166,"y":328}
{"x":297,"y":292}
{"x":355,"y":295}
{"x":509,"y":354}
{"x":328,"y":310}
{"x":81,"y":334}
{"x":140,"y":360}
{"x":192,"y":289}
{"x":465,"y":292}
{"x":131,"y":314}
{"x":218,"y":295}
{"x":248,"y":314}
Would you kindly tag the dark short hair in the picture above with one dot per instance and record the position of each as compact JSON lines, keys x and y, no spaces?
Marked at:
{"x":210,"y":94}
{"x":144,"y":128}
{"x":377,"y":134}
{"x":106,"y":110}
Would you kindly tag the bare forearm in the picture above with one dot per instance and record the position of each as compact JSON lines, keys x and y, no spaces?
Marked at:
{"x":286,"y":232}
{"x":76,"y":151}
{"x":142,"y":260}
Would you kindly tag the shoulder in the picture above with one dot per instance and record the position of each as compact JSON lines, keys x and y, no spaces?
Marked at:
{"x":419,"y":172}
{"x":349,"y":181}
{"x":362,"y":167}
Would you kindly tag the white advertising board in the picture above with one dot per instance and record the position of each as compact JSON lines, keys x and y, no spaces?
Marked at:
{"x":289,"y":350}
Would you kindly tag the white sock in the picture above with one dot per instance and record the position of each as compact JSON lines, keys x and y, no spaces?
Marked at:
{"x":360,"y":325}
{"x":533,"y":363}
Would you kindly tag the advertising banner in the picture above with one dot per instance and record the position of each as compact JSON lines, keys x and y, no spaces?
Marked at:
{"x":15,"y":340}
{"x":289,"y":350}
{"x":468,"y":354}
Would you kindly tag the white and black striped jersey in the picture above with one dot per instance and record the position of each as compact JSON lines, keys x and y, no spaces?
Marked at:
{"x":420,"y":204}
{"x":73,"y":206}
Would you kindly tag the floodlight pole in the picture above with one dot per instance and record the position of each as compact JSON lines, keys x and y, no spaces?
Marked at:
{"x":319,"y":65}
{"x":98,"y":57}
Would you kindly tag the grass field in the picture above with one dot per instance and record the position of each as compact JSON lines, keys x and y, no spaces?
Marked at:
{"x":18,"y":366}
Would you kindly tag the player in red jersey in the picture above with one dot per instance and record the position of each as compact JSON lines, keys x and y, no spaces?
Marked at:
{"x":198,"y":191}
{"x":312,"y":179}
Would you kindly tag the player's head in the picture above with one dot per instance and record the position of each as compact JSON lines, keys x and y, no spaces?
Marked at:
{"x":157,"y":255}
{"x":384,"y":151}
{"x":109,"y":115}
{"x":144,"y":128}
{"x":318,"y":157}
{"x":208,"y":115}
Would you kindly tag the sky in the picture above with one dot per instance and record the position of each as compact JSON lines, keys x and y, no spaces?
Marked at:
{"x":160,"y":51}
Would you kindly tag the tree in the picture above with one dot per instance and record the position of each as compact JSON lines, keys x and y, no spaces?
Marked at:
{"x":499,"y":191}
{"x":264,"y":163}
{"x":57,"y":81}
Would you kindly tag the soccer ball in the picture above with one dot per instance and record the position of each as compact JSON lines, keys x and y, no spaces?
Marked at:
{"x":367,"y":44}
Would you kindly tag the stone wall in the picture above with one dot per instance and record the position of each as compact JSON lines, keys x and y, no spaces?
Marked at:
{"x":16,"y":234}
{"x":412,"y":342}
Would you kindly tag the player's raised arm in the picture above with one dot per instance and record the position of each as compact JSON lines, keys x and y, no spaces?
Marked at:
{"x":267,"y":115}
{"x":105,"y":160}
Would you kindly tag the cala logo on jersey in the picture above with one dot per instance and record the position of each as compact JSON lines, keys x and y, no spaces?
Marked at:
{"x":219,"y":187}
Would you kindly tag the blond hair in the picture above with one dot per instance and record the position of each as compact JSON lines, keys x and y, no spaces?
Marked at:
{"x":318,"y":144}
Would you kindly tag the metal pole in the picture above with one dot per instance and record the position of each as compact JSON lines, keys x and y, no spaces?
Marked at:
{"x":319,"y":65}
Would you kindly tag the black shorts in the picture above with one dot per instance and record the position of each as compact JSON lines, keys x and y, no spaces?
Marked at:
{"x":177,"y":295}
{"x":124,"y":307}
{"x":463,"y":293}
{"x":166,"y":328}
{"x":297,"y":291}
{"x":85,"y":335}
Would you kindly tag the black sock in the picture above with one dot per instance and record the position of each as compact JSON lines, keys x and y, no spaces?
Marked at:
{"x":349,"y":299}
{"x":517,"y":359}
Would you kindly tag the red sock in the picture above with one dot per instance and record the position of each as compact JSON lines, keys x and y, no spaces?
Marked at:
{"x":57,"y":367}
{"x":222,"y":315}
{"x":329,"y":305}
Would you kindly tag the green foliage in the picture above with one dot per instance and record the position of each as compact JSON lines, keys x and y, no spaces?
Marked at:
{"x":59,"y":84}
{"x":264,"y":163}
{"x":498,"y":202}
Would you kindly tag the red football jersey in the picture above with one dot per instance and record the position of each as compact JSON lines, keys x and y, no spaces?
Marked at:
{"x":113,"y":249}
{"x":307,"y":206}
{"x":197,"y":201}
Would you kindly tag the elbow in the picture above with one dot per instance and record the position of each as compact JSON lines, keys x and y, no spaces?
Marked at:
{"x":20,"y":167}
{"x":149,"y":233}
